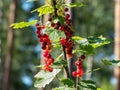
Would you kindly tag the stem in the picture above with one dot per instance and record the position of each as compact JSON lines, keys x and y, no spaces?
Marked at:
{"x":54,"y":6}
{"x":77,"y":81}
{"x":66,"y":68}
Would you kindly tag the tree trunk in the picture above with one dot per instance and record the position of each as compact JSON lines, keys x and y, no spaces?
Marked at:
{"x":117,"y":42}
{"x":0,"y":63}
{"x":8,"y":56}
{"x":1,"y":13}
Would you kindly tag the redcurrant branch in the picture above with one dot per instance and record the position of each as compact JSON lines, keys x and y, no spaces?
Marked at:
{"x":66,"y":68}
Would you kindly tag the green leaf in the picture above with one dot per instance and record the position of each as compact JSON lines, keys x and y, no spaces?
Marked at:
{"x":55,"y":34}
{"x":88,"y":84}
{"x":99,"y":89}
{"x":96,"y":69}
{"x":60,"y":63}
{"x":63,"y":88}
{"x":43,"y":77}
{"x":86,"y":49}
{"x":67,"y":81}
{"x":80,"y":40}
{"x":110,"y":62}
{"x":60,"y":19}
{"x":98,"y":41}
{"x":45,"y":9}
{"x":75,"y":5}
{"x":77,"y":38}
{"x":23,"y":24}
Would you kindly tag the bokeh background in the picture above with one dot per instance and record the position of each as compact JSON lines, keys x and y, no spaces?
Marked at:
{"x":96,"y":18}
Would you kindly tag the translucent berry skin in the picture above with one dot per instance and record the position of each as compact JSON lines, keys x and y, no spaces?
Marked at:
{"x":79,"y":73}
{"x":50,"y":69}
{"x":79,"y":64}
{"x":74,"y":74}
{"x":63,"y":41}
{"x":67,"y":16}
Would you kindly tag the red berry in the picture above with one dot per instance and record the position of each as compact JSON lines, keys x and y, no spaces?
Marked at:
{"x":45,"y":59}
{"x":58,"y":23}
{"x":78,"y":63}
{"x":61,"y":28}
{"x":48,"y":56}
{"x":50,"y":19}
{"x":39,"y":36}
{"x":69,"y":56}
{"x":48,"y":63}
{"x":38,"y":32}
{"x":67,"y":16}
{"x":46,"y":67}
{"x":45,"y":35}
{"x":79,"y":72}
{"x":37,"y":24}
{"x":66,"y":9}
{"x":82,"y":56}
{"x":63,"y":41}
{"x":74,"y":73}
{"x":43,"y":46}
{"x":45,"y":53}
{"x":50,"y":69}
{"x":51,"y":60}
{"x":53,"y":24}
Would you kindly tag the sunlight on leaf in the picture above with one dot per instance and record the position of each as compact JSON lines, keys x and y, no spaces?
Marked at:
{"x":43,"y":77}
{"x":55,"y":34}
{"x":45,"y":9}
{"x":98,"y":41}
{"x":23,"y":24}
{"x":99,"y":89}
{"x":63,"y":88}
{"x":75,"y":5}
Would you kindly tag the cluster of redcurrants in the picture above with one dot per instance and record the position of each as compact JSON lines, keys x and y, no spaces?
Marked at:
{"x":66,"y":28}
{"x":46,"y":46}
{"x":65,"y":42}
{"x":78,"y":64}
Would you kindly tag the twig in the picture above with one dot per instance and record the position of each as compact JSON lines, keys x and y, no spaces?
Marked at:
{"x":66,"y":68}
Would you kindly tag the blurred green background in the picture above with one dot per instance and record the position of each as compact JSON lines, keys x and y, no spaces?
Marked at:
{"x":96,"y":18}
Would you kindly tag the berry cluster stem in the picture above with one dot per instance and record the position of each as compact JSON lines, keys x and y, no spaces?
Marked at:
{"x":77,"y":81}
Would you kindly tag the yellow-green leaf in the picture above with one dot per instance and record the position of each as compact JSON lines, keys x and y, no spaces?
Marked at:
{"x":23,"y":24}
{"x":45,"y":9}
